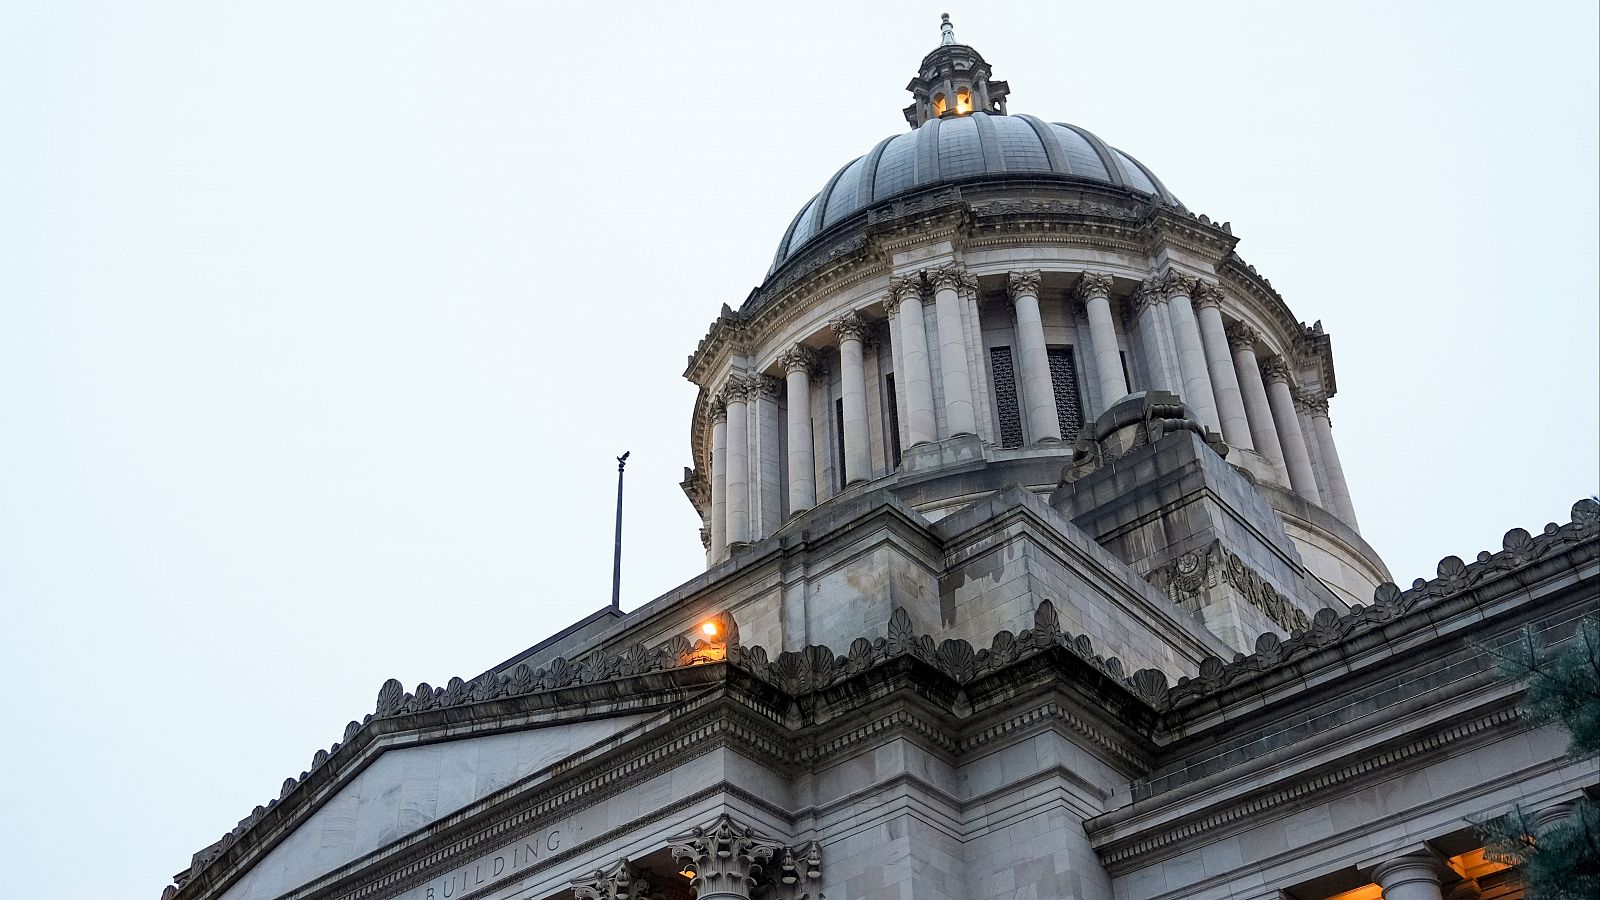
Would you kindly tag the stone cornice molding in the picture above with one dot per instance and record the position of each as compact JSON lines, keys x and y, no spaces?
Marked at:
{"x":799,"y":358}
{"x":1023,"y":284}
{"x":1206,"y":294}
{"x":1177,"y":284}
{"x":850,"y":326}
{"x":1094,"y":286}
{"x":1276,"y":369}
{"x":1242,"y":336}
{"x":1168,"y":840}
{"x":1191,"y":232}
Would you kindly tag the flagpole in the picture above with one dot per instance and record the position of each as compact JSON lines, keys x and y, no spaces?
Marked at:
{"x":616,"y":565}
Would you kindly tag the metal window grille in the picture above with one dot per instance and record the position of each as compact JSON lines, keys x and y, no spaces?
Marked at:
{"x":1064,"y":381}
{"x":1005,"y":397}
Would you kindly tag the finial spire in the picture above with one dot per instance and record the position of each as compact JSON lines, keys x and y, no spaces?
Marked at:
{"x":947,"y":32}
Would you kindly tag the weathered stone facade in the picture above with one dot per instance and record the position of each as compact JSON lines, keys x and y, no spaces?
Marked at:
{"x":1032,"y":572}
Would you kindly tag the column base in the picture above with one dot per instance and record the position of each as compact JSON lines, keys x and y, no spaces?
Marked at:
{"x":953,"y":450}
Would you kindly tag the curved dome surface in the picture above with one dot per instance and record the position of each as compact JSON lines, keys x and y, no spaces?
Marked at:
{"x":973,"y":146}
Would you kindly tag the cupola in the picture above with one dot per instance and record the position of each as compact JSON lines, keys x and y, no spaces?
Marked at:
{"x":953,"y":81}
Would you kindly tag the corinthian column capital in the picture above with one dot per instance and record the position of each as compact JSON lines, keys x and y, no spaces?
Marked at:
{"x":736,"y":389}
{"x":1176,"y":284}
{"x":1151,"y":292}
{"x":952,"y":276}
{"x":1311,"y":402}
{"x":849,"y":326}
{"x":1094,"y":286}
{"x":798,"y":873}
{"x":619,"y":881}
{"x":903,"y":289}
{"x":717,"y":409}
{"x":1020,"y":284}
{"x":1276,"y":369}
{"x":799,"y":358}
{"x":1242,"y":336}
{"x":1206,"y":294}
{"x":763,"y":387}
{"x":724,"y":856}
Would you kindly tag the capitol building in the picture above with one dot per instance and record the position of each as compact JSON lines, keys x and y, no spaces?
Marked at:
{"x":1031,"y":572}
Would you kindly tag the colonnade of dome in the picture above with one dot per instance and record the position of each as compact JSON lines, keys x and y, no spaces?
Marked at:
{"x":975,"y":293}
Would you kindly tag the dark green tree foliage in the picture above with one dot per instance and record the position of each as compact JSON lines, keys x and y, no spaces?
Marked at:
{"x":1563,"y":687}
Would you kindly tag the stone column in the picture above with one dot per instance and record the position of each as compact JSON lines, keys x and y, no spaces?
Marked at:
{"x":1412,"y":877}
{"x":1219,"y":362}
{"x":1150,"y":309}
{"x":1296,"y":456}
{"x":960,"y":413}
{"x":725,"y":858}
{"x":1094,"y":289}
{"x":852,"y":333}
{"x":1242,"y":338}
{"x":719,"y":478}
{"x":1322,"y":432}
{"x":738,"y":480}
{"x":1191,"y":353}
{"x":766,"y":458}
{"x":798,"y":363}
{"x":905,"y":293}
{"x":1038,"y":389}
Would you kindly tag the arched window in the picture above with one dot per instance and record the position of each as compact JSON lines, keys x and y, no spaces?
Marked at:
{"x":938,"y":105}
{"x":963,"y":101}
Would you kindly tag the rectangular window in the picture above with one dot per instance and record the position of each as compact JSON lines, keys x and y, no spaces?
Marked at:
{"x":894,"y":420}
{"x":1005,"y":397}
{"x":1064,"y":381}
{"x":838,"y":431}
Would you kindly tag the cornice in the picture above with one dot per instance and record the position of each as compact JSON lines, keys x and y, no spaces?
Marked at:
{"x":1150,"y":846}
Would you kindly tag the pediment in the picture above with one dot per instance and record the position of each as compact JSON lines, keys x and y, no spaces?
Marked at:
{"x":407,"y":788}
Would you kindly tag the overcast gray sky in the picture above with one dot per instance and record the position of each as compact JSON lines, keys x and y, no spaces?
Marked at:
{"x":321,"y":323}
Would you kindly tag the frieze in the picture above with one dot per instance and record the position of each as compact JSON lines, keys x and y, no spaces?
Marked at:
{"x":1058,"y":207}
{"x":917,"y":205}
{"x":1192,"y":573}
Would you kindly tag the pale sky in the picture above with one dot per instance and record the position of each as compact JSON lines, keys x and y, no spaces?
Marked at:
{"x":322,"y":323}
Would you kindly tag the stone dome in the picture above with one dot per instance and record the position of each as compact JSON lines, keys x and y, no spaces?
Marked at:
{"x":953,"y":149}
